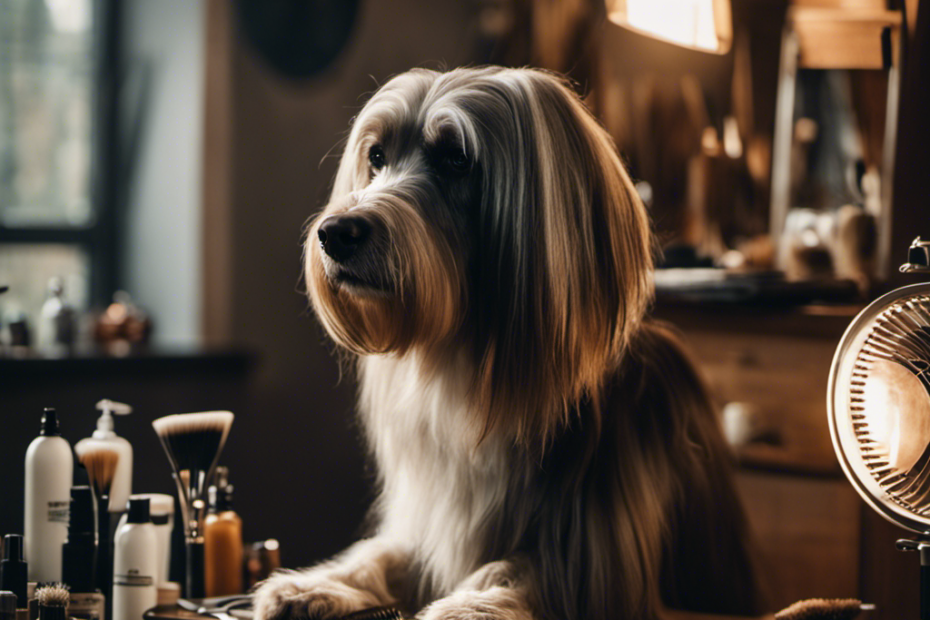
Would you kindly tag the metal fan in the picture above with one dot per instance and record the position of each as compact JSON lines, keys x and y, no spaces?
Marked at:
{"x":878,"y":401}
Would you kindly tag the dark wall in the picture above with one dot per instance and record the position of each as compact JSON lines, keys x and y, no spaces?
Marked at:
{"x":301,"y":475}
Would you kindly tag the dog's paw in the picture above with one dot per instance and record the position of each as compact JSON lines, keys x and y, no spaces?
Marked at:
{"x":497,"y":603}
{"x":289,"y":595}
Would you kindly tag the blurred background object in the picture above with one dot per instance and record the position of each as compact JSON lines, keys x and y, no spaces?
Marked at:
{"x":702,"y":24}
{"x":261,"y":559}
{"x":122,"y":326}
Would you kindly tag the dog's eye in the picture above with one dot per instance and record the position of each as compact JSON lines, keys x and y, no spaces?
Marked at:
{"x":376,"y":157}
{"x":458,"y":161}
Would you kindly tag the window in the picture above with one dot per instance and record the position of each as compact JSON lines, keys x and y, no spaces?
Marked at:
{"x":58,"y":64}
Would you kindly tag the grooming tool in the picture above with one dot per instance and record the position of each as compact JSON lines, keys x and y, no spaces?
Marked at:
{"x":878,"y":401}
{"x":375,"y":613}
{"x":193,"y":442}
{"x":236,"y":607}
{"x":53,"y":602}
{"x":101,"y":461}
{"x":824,"y":609}
{"x":218,"y":604}
{"x":105,"y":436}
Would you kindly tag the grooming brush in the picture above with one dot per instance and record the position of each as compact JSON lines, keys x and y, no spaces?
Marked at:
{"x":375,"y":613}
{"x":53,"y":602}
{"x":824,"y":609}
{"x":100,"y":461}
{"x":193,"y":442}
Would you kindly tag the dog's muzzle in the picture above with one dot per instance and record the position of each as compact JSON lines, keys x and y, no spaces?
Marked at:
{"x":354,"y":253}
{"x":342,"y":236}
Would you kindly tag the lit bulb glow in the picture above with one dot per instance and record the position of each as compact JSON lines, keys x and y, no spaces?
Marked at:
{"x":691,"y":23}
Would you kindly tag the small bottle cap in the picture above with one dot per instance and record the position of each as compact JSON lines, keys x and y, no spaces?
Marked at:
{"x":138,"y":510}
{"x":49,"y":422}
{"x":220,"y":494}
{"x":225,"y":500}
{"x":7,"y":602}
{"x":13,"y":547}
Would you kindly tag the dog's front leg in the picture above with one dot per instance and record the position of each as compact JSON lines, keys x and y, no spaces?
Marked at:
{"x":496,"y":591}
{"x":370,"y":573}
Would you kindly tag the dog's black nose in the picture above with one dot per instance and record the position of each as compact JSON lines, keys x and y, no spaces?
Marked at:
{"x":341,"y":235}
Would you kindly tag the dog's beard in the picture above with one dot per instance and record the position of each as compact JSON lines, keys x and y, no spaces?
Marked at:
{"x":402,"y":289}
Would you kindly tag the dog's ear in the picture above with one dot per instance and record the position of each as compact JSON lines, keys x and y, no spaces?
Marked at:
{"x":565,"y":258}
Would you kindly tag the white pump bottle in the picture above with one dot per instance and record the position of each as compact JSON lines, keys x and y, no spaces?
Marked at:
{"x":104,"y":435}
{"x":49,"y":463}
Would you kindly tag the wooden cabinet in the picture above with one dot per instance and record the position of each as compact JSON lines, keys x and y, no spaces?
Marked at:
{"x":808,"y":532}
{"x":816,"y":537}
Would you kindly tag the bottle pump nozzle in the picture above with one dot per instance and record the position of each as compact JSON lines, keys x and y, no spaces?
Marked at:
{"x":105,"y":423}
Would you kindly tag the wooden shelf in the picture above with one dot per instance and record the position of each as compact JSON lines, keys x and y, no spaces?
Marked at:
{"x":830,"y":38}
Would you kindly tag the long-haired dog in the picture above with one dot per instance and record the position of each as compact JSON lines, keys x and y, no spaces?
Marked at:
{"x":542,"y":450}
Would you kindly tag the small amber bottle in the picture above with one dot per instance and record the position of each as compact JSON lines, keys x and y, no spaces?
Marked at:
{"x":222,"y":540}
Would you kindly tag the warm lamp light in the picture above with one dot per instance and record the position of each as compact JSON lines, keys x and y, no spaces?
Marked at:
{"x":704,"y":25}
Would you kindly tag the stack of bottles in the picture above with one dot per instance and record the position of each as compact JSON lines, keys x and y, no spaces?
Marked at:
{"x":66,"y":552}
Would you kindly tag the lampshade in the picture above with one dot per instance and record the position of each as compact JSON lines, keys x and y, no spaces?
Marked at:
{"x":704,"y":25}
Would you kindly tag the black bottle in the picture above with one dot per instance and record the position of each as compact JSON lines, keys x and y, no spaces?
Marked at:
{"x":13,"y":568}
{"x":79,"y":558}
{"x":78,"y":554}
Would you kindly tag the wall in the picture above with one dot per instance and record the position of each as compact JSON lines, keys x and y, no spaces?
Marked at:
{"x":163,"y":45}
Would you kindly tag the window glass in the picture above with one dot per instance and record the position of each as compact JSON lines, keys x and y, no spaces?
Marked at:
{"x":27,"y":270}
{"x":46,"y":72}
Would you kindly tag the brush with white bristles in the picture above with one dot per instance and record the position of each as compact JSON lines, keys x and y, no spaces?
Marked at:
{"x":101,"y":460}
{"x":824,"y":609}
{"x":193,"y":442}
{"x":53,"y":601}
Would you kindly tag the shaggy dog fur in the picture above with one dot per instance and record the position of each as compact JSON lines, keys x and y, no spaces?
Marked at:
{"x":543,"y":451}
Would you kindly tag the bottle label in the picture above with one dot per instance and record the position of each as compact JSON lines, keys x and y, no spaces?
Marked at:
{"x":58,"y":512}
{"x":133,"y":578}
{"x":86,"y":606}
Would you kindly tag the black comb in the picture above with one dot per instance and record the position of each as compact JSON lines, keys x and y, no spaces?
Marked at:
{"x":375,"y":613}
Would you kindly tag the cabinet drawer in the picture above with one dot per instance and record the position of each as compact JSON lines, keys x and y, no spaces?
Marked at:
{"x":784,"y":380}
